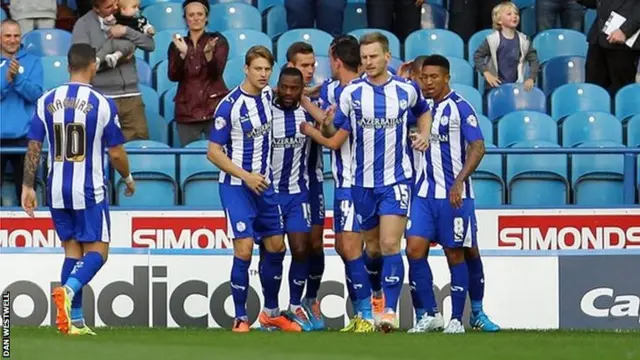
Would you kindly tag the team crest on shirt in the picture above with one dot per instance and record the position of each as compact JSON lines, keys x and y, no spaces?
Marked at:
{"x":220,"y":122}
{"x":444,"y":121}
{"x":403,"y":104}
{"x":472,"y":120}
{"x":241,"y":226}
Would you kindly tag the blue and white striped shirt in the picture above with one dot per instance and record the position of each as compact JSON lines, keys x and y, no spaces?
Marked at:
{"x":78,"y":122}
{"x":316,"y":162}
{"x":376,"y":115}
{"x":242,"y":125}
{"x":341,"y":158}
{"x":455,"y":125}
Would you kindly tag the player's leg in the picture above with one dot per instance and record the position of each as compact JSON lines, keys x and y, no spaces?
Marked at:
{"x":478,"y":320}
{"x":316,"y":256}
{"x":270,"y":233}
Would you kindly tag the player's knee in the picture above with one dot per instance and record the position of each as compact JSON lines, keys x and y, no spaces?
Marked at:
{"x":455,"y":256}
{"x":299,"y":251}
{"x":274,"y":244}
{"x":471,"y":253}
{"x":389,"y":245}
{"x":416,"y":248}
{"x":243,"y":248}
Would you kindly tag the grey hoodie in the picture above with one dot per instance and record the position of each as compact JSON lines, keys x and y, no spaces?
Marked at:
{"x":122,"y":80}
{"x":33,"y":9}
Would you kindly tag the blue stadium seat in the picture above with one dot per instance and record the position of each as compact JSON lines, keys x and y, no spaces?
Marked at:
{"x":571,"y":98}
{"x":433,"y":41}
{"x":158,"y":127}
{"x":319,"y":39}
{"x":394,"y":42}
{"x":266,"y":4}
{"x":488,"y":186}
{"x":161,"y":77}
{"x":214,"y":2}
{"x":241,"y":40}
{"x":163,"y":40}
{"x":3,"y":15}
{"x":275,"y":19}
{"x":143,"y":69}
{"x":150,"y":98}
{"x":165,"y":15}
{"x":633,"y":132}
{"x":486,"y":127}
{"x":562,"y":70}
{"x":154,"y":175}
{"x":560,"y":42}
{"x":537,"y":179}
{"x":395,"y":64}
{"x":475,"y":41}
{"x":460,"y":70}
{"x":520,"y":126}
{"x":329,"y":187}
{"x":590,"y":126}
{"x":627,"y":101}
{"x":199,"y":178}
{"x":235,"y":15}
{"x":433,"y":16}
{"x":598,"y":179}
{"x":513,"y":97}
{"x":145,"y":3}
{"x":355,"y":17}
{"x":234,"y":73}
{"x":167,"y":103}
{"x":521,"y":4}
{"x":55,"y":70}
{"x":471,"y":95}
{"x":323,"y":69}
{"x":528,"y":24}
{"x":589,"y":17}
{"x":47,"y":42}
{"x":326,"y":162}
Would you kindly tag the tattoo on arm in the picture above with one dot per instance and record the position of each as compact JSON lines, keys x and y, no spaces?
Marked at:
{"x":475,"y":153}
{"x":31,"y":162}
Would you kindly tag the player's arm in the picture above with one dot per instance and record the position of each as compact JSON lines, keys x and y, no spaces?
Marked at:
{"x":114,"y":140}
{"x":36,"y":136}
{"x":475,"y":151}
{"x":422,"y":112}
{"x":320,"y":116}
{"x":341,"y":121}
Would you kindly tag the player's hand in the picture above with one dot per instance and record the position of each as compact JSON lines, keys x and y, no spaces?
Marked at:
{"x":419,"y":142}
{"x":404,"y":70}
{"x":131,"y":188}
{"x":312,"y":91}
{"x":528,"y":84}
{"x":330,"y":114}
{"x":117,"y":31}
{"x":306,"y":128}
{"x":492,"y":80}
{"x":455,"y":194}
{"x":617,"y":37}
{"x":29,"y":200}
{"x":180,"y":44}
{"x":256,"y":182}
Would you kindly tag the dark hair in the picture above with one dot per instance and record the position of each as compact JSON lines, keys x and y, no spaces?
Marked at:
{"x":437,"y":60}
{"x":258,"y":51}
{"x":80,"y":56}
{"x":341,"y":38}
{"x":418,"y":63}
{"x":291,"y":71}
{"x":348,"y":51}
{"x":298,"y":47}
{"x":204,"y":3}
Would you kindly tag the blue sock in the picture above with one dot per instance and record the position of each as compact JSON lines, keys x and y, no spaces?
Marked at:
{"x":84,"y":270}
{"x":316,"y":270}
{"x":76,"y":303}
{"x":374,"y":269}
{"x":349,"y":283}
{"x":476,"y":283}
{"x":459,"y":286}
{"x":240,"y":285}
{"x":393,"y":278}
{"x":271,"y":278}
{"x":359,"y":279}
{"x":298,"y":272}
{"x":421,"y":279}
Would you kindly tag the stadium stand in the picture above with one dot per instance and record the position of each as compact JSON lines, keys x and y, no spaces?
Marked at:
{"x":513,"y":97}
{"x":529,"y":126}
{"x":56,"y":69}
{"x":318,"y":38}
{"x":562,"y":70}
{"x":198,"y":178}
{"x":145,"y":75}
{"x":488,"y":185}
{"x":559,"y":42}
{"x":165,"y":15}
{"x":394,"y":42}
{"x":570,"y":98}
{"x":597,"y":179}
{"x":433,"y":41}
{"x":241,"y":40}
{"x":434,"y":16}
{"x":237,"y":15}
{"x":627,"y":102}
{"x":355,"y":17}
{"x":590,"y":126}
{"x":47,"y":42}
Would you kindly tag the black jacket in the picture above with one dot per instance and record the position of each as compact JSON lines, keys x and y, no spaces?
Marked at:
{"x":630,"y":9}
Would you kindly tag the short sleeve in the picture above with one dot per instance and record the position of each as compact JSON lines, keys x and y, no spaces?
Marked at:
{"x":420,"y":105}
{"x":469,"y":123}
{"x":221,"y":130}
{"x":341,"y":119}
{"x":37,"y":129}
{"x":112,"y":133}
{"x":323,"y":101}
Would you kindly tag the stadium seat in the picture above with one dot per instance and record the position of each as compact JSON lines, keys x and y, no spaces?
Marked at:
{"x":394,"y":42}
{"x":319,"y":39}
{"x":590,"y":126}
{"x":560,"y":42}
{"x":521,"y":4}
{"x":571,"y":98}
{"x":199,"y":178}
{"x":475,"y":41}
{"x":326,"y":162}
{"x":214,"y":2}
{"x":275,"y":19}
{"x":150,"y":98}
{"x":241,"y":40}
{"x":163,"y":40}
{"x":598,"y":179}
{"x":167,"y":103}
{"x":143,"y":69}
{"x":434,"y":17}
{"x":537,"y":179}
{"x":323,"y":69}
{"x":488,"y":186}
{"x":627,"y":101}
{"x":460,"y":70}
{"x":355,"y":17}
{"x":234,"y":15}
{"x":154,"y":175}
{"x":562,"y":70}
{"x":3,"y":15}
{"x":520,"y":126}
{"x":328,"y":186}
{"x":266,"y":4}
{"x":161,"y":77}
{"x":513,"y":97}
{"x":158,"y":127}
{"x":589,"y":17}
{"x":145,"y":3}
{"x":165,"y":15}
{"x":486,"y":127}
{"x":55,"y":70}
{"x":47,"y":42}
{"x":395,"y":64}
{"x":471,"y":95}
{"x":234,"y":73}
{"x":528,"y":24}
{"x":633,"y":132}
{"x":433,"y":41}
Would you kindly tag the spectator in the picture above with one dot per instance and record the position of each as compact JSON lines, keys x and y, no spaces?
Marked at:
{"x":84,"y":6}
{"x":196,"y":63}
{"x":401,"y":17}
{"x":610,"y":62}
{"x":119,"y":83}
{"x":326,"y":15}
{"x":502,"y":56}
{"x":470,"y":16}
{"x":569,"y":12}
{"x":21,"y":79}
{"x":34,"y":14}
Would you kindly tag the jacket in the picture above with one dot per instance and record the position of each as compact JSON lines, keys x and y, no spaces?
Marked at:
{"x":200,"y":83}
{"x":33,"y":9}
{"x":486,"y":56}
{"x":18,"y":98}
{"x":630,"y":9}
{"x":122,"y":80}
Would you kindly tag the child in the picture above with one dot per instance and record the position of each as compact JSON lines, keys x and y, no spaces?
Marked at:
{"x":502,"y":56}
{"x":128,"y":15}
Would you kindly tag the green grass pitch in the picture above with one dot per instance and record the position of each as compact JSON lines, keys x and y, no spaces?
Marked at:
{"x":195,"y":344}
